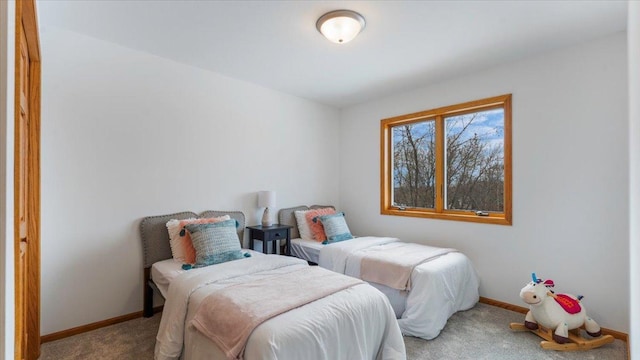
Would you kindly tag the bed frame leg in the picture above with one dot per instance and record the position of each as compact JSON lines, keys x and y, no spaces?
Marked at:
{"x":148,"y":295}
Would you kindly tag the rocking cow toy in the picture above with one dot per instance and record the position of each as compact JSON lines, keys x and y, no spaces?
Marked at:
{"x":557,"y":318}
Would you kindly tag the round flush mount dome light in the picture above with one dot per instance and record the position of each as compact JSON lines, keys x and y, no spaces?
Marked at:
{"x":340,"y":26}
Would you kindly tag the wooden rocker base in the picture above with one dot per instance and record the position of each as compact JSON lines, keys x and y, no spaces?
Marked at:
{"x":577,"y":342}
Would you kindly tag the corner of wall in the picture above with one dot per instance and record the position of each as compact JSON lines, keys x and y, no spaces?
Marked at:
{"x":633,"y":39}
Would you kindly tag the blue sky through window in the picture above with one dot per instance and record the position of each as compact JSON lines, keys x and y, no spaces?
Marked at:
{"x":488,"y":125}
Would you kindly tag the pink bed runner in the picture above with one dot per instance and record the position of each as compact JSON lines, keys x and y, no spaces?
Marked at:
{"x":228,"y":316}
{"x":392,"y":264}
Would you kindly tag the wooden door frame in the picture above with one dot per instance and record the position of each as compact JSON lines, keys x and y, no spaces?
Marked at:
{"x":27,"y":22}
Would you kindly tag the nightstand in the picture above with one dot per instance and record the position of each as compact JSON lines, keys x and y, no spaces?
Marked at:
{"x":270,"y":233}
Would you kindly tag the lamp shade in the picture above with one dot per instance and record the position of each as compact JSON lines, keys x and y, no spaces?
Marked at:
{"x":340,"y":26}
{"x":267,"y":199}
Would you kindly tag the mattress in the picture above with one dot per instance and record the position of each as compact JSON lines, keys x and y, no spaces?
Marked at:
{"x":310,"y":250}
{"x":306,"y":249}
{"x":162,"y":272}
{"x":355,"y":323}
{"x":441,"y":286}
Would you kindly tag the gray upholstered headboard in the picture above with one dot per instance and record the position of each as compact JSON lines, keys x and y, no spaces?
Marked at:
{"x":286,"y":217}
{"x":155,"y":237}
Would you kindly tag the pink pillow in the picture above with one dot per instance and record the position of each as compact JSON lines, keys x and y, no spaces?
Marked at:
{"x":181,"y":245}
{"x":316,"y":227}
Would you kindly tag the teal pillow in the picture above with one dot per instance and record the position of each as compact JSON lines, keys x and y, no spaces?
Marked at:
{"x":335,"y":227}
{"x":215,"y":243}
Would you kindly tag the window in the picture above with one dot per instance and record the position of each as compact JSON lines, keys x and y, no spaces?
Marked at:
{"x":449,"y":163}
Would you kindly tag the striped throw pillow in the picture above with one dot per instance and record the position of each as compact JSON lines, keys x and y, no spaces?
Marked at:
{"x":215,"y":243}
{"x":335,"y":228}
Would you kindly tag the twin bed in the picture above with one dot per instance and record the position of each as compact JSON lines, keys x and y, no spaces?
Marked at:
{"x":277,"y":307}
{"x":354,"y":321}
{"x":441,"y":286}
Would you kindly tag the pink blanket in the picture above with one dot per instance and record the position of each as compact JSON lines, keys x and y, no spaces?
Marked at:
{"x":392,"y":264}
{"x":228,"y":316}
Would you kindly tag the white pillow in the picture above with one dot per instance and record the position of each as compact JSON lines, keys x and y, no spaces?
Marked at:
{"x":175,"y":240}
{"x":303,"y":226}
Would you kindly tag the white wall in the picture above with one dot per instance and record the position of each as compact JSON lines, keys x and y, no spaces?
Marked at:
{"x":570,"y":177}
{"x":7,"y":300}
{"x":633,"y":42}
{"x":100,"y":175}
{"x":126,"y":134}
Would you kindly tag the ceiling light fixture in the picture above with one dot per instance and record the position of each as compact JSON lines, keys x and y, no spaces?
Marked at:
{"x":340,"y":26}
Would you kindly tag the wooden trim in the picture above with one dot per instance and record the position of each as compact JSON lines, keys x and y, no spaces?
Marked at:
{"x":93,"y":326}
{"x":27,"y":328}
{"x":386,"y":159}
{"x":505,"y":217}
{"x":33,"y":259}
{"x":385,"y":190}
{"x":446,"y":216}
{"x":30,"y":23}
{"x":20,"y":328}
{"x":508,"y":174}
{"x":503,"y":305}
{"x":523,"y":310}
{"x":440,"y":155}
{"x":446,"y":110}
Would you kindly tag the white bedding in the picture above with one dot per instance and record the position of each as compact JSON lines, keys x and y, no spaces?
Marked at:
{"x":306,"y":249}
{"x":162,"y":272}
{"x":360,"y":325}
{"x":441,"y":286}
{"x":310,"y":250}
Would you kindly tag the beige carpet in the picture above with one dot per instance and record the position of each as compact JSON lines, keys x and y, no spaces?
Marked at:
{"x":480,"y":333}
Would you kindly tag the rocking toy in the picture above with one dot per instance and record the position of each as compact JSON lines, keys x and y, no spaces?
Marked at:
{"x":558,"y":318}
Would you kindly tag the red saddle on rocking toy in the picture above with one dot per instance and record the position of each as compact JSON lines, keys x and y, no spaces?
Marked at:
{"x":569,"y":304}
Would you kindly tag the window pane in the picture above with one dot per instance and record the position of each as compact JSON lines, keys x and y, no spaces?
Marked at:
{"x":414,"y":165}
{"x":475,"y":161}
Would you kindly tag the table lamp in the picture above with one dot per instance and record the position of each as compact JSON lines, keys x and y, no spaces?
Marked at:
{"x":266,"y":199}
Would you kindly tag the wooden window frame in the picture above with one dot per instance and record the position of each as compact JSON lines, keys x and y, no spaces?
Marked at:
{"x":439,"y":212}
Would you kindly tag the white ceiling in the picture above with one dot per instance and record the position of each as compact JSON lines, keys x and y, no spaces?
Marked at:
{"x":405,"y":45}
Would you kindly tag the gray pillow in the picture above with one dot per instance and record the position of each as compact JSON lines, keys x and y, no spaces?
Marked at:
{"x":215,"y":243}
{"x":335,"y":227}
